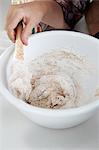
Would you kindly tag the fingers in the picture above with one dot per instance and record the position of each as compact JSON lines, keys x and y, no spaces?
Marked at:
{"x":12,"y":23}
{"x":26,"y":32}
{"x":11,"y":34}
{"x":28,"y":14}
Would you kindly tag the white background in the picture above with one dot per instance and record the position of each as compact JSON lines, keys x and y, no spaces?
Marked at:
{"x":19,"y":133}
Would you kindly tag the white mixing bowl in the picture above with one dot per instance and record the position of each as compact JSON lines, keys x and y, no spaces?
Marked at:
{"x":39,"y":44}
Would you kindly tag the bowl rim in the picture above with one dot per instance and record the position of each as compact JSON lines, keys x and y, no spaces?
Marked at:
{"x":27,"y":107}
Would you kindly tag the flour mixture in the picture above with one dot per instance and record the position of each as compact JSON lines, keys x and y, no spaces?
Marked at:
{"x":59,"y":79}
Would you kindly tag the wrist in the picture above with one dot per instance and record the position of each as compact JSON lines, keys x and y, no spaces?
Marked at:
{"x":44,"y":7}
{"x":53,"y":15}
{"x":41,"y":7}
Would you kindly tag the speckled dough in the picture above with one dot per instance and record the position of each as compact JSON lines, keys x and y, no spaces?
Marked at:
{"x":53,"y":80}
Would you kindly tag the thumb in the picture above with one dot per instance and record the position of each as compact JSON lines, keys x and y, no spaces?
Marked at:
{"x":27,"y":30}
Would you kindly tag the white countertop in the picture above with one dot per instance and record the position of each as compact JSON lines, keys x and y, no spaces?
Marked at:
{"x":19,"y":133}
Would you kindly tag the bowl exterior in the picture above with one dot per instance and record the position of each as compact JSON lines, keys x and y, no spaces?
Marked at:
{"x":59,"y":122}
{"x":39,"y":44}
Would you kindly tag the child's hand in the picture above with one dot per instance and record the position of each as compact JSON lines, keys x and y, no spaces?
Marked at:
{"x":31,"y":14}
{"x":48,"y":12}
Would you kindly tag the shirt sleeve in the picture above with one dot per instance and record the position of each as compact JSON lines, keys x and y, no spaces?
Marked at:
{"x":73,"y":10}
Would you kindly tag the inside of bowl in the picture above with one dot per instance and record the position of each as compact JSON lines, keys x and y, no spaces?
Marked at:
{"x":46,"y":42}
{"x":76,"y":42}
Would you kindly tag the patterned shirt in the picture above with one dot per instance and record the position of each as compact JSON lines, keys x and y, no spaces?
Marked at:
{"x":73,"y":10}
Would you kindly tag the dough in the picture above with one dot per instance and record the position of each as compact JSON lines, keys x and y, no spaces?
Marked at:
{"x":54,"y":80}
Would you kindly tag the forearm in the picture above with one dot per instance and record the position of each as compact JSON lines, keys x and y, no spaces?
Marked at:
{"x":92,"y":17}
{"x":54,"y":15}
